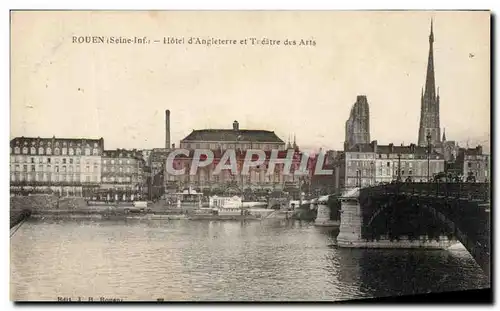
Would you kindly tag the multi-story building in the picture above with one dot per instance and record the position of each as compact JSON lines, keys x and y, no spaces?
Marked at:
{"x":372,"y":164}
{"x":256,"y":180}
{"x":357,"y":127}
{"x":66,"y":166}
{"x":235,"y":138}
{"x":472,"y":162}
{"x":122,"y":176}
{"x":220,"y":140}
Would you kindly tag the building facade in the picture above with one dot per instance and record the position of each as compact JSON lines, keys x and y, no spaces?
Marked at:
{"x":372,"y":164}
{"x":122,"y":176}
{"x":66,"y":166}
{"x":357,"y":127}
{"x":257,"y":179}
{"x":474,"y":163}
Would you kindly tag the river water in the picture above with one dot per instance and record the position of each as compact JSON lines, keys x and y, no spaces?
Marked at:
{"x":179,"y":260}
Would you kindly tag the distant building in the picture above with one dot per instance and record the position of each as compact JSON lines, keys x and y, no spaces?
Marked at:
{"x":472,"y":162}
{"x":371,"y":164}
{"x":448,"y":148}
{"x":122,"y":175}
{"x":357,"y":127}
{"x":66,"y":166}
{"x":235,"y":138}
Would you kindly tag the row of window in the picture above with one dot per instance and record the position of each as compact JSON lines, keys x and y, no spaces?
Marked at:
{"x":49,"y":160}
{"x":51,"y":177}
{"x":118,"y":169}
{"x":245,"y":146}
{"x":112,"y":161}
{"x":391,"y":171}
{"x":48,"y":168}
{"x":386,"y":156}
{"x":56,"y":151}
{"x":410,"y":164}
{"x":118,"y":179}
{"x":63,"y":160}
{"x":477,"y":164}
{"x":218,"y":178}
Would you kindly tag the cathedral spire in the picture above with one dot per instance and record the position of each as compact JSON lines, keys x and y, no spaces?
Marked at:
{"x":429,"y":113}
{"x":444,"y":134}
{"x":431,"y":36}
{"x":430,"y":83}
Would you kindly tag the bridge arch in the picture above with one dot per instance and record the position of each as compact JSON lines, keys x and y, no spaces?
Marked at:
{"x":455,"y":210}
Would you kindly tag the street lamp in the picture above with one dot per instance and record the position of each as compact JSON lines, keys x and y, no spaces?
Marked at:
{"x":399,"y":167}
{"x":428,"y":155}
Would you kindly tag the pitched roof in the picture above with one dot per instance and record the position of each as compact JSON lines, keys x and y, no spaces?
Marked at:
{"x":233,"y":135}
{"x":56,"y":141}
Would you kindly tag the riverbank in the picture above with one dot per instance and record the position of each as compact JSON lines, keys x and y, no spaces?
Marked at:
{"x":96,"y":214}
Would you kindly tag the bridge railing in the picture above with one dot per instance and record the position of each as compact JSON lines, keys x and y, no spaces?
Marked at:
{"x":467,"y":191}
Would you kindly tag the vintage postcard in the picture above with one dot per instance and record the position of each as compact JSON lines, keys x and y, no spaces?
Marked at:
{"x":249,"y":155}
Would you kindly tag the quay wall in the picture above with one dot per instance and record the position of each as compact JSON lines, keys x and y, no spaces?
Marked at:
{"x":41,"y":203}
{"x":33,"y":202}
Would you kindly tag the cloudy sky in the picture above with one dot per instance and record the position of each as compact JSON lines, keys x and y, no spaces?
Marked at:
{"x":120,"y":91}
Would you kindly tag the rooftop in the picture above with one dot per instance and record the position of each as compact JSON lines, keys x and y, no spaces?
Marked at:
{"x":233,"y":136}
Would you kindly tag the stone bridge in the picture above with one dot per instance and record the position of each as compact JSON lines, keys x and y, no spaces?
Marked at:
{"x":419,"y":215}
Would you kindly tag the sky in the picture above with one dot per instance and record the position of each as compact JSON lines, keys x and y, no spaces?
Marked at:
{"x":120,"y":91}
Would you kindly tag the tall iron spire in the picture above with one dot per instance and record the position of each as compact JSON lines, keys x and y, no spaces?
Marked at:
{"x":430,"y":83}
{"x":429,"y":114}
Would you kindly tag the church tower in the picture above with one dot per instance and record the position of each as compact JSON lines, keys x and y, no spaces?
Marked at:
{"x":429,"y":111}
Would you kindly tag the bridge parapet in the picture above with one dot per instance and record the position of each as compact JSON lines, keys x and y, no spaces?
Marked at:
{"x":467,"y":191}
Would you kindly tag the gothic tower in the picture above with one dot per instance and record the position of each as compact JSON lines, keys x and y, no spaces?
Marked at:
{"x":357,"y":127}
{"x":429,"y":111}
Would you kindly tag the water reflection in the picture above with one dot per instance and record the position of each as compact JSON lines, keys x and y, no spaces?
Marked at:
{"x":219,"y":260}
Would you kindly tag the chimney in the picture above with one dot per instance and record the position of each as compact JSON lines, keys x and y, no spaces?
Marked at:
{"x":236,"y":126}
{"x":391,"y":148}
{"x":167,"y":129}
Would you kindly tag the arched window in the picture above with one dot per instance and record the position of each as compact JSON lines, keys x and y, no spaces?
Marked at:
{"x":25,"y":150}
{"x":33,"y":150}
{"x":57,"y":151}
{"x":40,"y":150}
{"x":49,"y":151}
{"x":87,"y":151}
{"x":78,"y":151}
{"x":95,"y":151}
{"x":71,"y":151}
{"x":64,"y":151}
